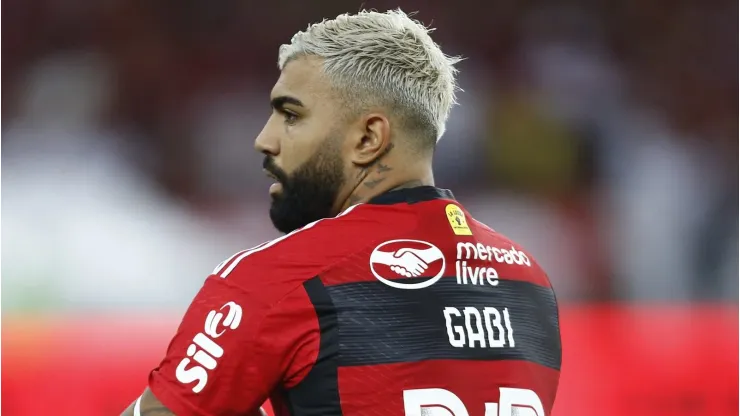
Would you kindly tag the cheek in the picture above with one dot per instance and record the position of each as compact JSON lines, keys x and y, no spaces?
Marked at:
{"x":296,"y":150}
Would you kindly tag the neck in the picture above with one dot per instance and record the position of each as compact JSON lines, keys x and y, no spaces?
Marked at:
{"x":380,"y":179}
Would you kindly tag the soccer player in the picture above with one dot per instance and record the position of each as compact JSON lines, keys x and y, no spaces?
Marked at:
{"x":385,"y":297}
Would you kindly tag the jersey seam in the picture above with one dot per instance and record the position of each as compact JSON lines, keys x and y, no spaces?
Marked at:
{"x":275,"y":241}
{"x":310,"y":275}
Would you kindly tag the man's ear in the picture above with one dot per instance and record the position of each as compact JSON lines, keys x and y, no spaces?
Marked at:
{"x":373,"y":139}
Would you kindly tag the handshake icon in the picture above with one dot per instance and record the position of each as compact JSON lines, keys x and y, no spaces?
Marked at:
{"x":407,"y":262}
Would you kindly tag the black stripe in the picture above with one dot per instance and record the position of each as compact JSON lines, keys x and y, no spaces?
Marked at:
{"x":382,"y":325}
{"x":412,"y":195}
{"x":318,"y":393}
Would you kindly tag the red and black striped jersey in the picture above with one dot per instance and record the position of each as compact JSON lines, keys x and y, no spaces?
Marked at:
{"x":404,"y":305}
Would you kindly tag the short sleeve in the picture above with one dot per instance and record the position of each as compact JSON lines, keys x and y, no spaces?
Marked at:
{"x":233,"y":347}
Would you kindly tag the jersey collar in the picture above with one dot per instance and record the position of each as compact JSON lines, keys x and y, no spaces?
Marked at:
{"x":412,"y":195}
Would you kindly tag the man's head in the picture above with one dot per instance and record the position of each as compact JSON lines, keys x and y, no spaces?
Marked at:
{"x":350,"y":90}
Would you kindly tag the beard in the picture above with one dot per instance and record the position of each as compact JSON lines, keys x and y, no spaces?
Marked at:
{"x":309,"y":194}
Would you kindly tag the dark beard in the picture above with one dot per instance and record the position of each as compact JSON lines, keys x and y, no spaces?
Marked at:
{"x":308,"y":194}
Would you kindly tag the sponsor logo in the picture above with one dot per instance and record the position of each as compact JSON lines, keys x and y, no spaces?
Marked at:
{"x":204,"y":350}
{"x":470,"y":251}
{"x":457,"y":220}
{"x":473,"y":273}
{"x":393,"y":260}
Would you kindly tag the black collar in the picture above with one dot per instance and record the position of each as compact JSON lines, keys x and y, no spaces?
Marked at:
{"x":412,"y":195}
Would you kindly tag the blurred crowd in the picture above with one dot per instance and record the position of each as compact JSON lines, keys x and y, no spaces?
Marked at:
{"x":600,"y":135}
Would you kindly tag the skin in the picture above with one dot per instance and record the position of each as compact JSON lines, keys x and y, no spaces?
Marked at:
{"x":308,"y":115}
{"x":375,"y":156}
{"x":151,"y":406}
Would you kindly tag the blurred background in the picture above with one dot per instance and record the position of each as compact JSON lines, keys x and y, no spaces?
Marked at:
{"x":600,"y":135}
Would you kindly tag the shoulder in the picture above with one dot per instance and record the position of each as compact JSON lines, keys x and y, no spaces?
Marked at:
{"x":288,"y":261}
{"x":517,"y":262}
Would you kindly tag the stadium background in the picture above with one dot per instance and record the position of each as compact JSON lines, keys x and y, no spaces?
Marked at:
{"x":600,"y":135}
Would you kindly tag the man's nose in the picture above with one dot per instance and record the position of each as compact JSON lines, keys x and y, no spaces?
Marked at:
{"x":267,"y":143}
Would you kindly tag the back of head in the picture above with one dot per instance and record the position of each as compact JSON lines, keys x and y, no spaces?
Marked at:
{"x":384,"y":60}
{"x":350,"y":91}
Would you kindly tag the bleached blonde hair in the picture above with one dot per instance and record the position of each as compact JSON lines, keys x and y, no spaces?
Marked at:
{"x":383,"y":58}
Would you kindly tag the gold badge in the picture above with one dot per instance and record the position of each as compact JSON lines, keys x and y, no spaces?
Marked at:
{"x":456,"y":217}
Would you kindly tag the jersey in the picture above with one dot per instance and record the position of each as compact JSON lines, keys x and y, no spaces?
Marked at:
{"x":404,"y":305}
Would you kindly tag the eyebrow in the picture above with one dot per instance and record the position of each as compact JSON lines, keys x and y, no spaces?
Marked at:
{"x":279,"y":102}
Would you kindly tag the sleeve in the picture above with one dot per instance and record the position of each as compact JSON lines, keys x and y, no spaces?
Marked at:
{"x":233,"y":348}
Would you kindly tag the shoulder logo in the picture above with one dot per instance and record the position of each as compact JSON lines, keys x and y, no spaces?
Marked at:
{"x":204,"y":350}
{"x":407,"y":258}
{"x":233,"y":318}
{"x":457,"y":220}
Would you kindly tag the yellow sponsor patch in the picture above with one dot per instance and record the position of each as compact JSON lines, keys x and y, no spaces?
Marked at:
{"x":457,"y":220}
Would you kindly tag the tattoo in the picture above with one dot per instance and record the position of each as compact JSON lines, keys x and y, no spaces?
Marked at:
{"x":383,"y":168}
{"x":365,"y":171}
{"x":372,"y":184}
{"x":379,"y":158}
{"x":361,"y":173}
{"x":388,"y":149}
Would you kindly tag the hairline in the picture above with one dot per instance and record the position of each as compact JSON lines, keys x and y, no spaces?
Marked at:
{"x":352,"y":103}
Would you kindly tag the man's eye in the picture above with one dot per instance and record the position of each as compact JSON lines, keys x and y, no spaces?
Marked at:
{"x":290,"y":118}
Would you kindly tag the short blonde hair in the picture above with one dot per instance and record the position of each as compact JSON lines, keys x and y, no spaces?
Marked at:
{"x":386,"y":58}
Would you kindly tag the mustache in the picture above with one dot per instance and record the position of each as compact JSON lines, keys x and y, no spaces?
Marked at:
{"x":269,"y":165}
